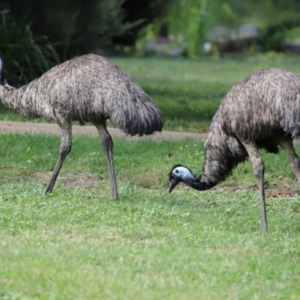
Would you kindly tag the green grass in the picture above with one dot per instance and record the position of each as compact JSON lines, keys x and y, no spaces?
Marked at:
{"x":188,"y":92}
{"x":78,"y":244}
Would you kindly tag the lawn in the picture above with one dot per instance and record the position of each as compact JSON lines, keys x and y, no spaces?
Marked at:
{"x":77,"y":243}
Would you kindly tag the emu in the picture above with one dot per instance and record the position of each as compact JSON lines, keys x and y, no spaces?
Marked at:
{"x":261,"y":111}
{"x":86,"y":88}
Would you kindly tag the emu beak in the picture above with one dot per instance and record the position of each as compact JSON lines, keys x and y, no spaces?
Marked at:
{"x":173,"y":182}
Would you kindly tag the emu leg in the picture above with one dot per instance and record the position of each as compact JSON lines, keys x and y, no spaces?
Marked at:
{"x":64,"y":149}
{"x":259,"y":169}
{"x":287,"y":145}
{"x":107,"y":146}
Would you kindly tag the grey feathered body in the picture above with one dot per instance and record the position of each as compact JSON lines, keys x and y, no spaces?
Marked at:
{"x":261,"y":109}
{"x":87,"y":88}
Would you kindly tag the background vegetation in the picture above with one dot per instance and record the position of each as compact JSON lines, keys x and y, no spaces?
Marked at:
{"x":275,"y":19}
{"x":27,"y":56}
{"x":52,"y":31}
{"x":77,"y":27}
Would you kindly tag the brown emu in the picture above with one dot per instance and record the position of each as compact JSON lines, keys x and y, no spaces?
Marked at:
{"x":262,"y":111}
{"x":87,"y":88}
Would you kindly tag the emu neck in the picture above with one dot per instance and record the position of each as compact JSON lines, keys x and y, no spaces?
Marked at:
{"x":222,"y":154}
{"x":6,"y":95}
{"x":26,"y":100}
{"x":199,"y":185}
{"x":10,"y":97}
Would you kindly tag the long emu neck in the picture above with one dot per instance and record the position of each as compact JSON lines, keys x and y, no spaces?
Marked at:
{"x":223,"y":153}
{"x":10,"y":97}
{"x":7,"y":95}
{"x":26,"y":100}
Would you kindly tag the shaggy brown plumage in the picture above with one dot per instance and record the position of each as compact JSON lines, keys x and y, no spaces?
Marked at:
{"x":261,"y":111}
{"x":87,"y":88}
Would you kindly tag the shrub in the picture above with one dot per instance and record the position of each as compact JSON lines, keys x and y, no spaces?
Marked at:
{"x":25,"y":55}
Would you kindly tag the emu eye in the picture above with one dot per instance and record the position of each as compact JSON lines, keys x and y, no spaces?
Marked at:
{"x":177,"y":172}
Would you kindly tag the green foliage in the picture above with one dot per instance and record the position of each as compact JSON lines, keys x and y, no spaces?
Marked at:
{"x":25,"y":55}
{"x":198,"y":17}
{"x":228,"y":16}
{"x":192,"y":26}
{"x":141,"y":13}
{"x":79,"y":27}
{"x":78,"y":244}
{"x":74,"y":27}
{"x":193,"y":32}
{"x":274,"y":18}
{"x":274,"y":35}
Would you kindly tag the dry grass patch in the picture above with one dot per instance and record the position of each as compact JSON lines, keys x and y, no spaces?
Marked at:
{"x":67,"y":181}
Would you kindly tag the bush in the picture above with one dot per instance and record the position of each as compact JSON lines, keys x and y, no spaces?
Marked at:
{"x":79,"y":27}
{"x":25,"y":55}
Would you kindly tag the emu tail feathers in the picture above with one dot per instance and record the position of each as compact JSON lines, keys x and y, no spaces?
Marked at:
{"x":138,"y":116}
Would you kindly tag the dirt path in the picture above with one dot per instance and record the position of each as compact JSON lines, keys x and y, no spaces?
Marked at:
{"x":22,"y":127}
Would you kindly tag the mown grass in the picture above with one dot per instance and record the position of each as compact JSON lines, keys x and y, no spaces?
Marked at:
{"x":188,"y":92}
{"x":78,"y":244}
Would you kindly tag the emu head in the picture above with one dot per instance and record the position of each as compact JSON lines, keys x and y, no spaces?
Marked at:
{"x":179,"y":174}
